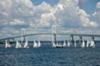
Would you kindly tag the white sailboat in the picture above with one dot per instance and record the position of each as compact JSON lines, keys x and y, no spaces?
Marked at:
{"x":35,"y":45}
{"x":18,"y":45}
{"x":83,"y":44}
{"x":59,"y":45}
{"x":53,"y":44}
{"x":26,"y":44}
{"x":92,"y":44}
{"x":39,"y":44}
{"x":64,"y":44}
{"x":68,"y":44}
{"x":74,"y":43}
{"x":7,"y":45}
{"x":88,"y":43}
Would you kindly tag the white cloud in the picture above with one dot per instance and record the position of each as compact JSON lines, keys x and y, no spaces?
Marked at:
{"x":98,"y":5}
{"x":16,"y":22}
{"x":96,"y":14}
{"x":84,"y":17}
{"x":5,"y":7}
{"x":66,"y":13}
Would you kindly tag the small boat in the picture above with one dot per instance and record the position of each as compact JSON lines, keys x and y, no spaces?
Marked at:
{"x":35,"y":44}
{"x":92,"y":44}
{"x":26,"y":44}
{"x":7,"y":45}
{"x":60,"y":45}
{"x":68,"y":43}
{"x":18,"y":45}
{"x":39,"y":44}
{"x":83,"y":44}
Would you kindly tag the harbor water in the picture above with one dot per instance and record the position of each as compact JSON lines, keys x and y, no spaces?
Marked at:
{"x":48,"y":56}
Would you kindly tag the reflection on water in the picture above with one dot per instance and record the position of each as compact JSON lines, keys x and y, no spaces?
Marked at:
{"x":50,"y":57}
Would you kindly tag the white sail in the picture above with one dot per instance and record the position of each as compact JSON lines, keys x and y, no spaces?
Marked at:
{"x":53,"y":43}
{"x":68,"y":43}
{"x":39,"y":44}
{"x":26,"y":44}
{"x":88,"y":43}
{"x":92,"y":44}
{"x":18,"y":45}
{"x":35,"y":45}
{"x":83,"y":44}
{"x":7,"y":45}
{"x":74,"y":43}
{"x":64,"y":44}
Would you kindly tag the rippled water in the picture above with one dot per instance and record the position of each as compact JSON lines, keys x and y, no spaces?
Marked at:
{"x":50,"y":57}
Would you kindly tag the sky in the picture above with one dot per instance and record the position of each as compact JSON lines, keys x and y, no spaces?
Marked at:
{"x":32,"y":16}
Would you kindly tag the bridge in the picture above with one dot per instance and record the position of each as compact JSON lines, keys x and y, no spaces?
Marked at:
{"x":55,"y":42}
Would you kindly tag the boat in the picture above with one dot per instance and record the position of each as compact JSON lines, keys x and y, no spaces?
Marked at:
{"x":18,"y":45}
{"x":7,"y":45}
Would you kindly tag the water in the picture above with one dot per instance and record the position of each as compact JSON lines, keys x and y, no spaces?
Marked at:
{"x":47,"y":56}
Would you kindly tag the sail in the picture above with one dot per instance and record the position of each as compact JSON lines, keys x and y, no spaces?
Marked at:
{"x":64,"y":44}
{"x":53,"y":43}
{"x":7,"y":45}
{"x":88,"y":43}
{"x":35,"y":44}
{"x":18,"y":45}
{"x":39,"y":44}
{"x":68,"y":43}
{"x":26,"y":44}
{"x":83,"y":44}
{"x":74,"y":43}
{"x":92,"y":44}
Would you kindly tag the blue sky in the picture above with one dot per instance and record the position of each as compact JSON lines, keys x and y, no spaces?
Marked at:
{"x":52,"y":2}
{"x":81,"y":16}
{"x":89,"y":5}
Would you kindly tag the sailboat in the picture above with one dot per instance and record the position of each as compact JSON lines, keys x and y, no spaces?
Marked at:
{"x":74,"y":43}
{"x":88,"y":43}
{"x":7,"y":45}
{"x":60,"y":45}
{"x":68,"y":43}
{"x":83,"y":44}
{"x":92,"y":44}
{"x":53,"y":43}
{"x":64,"y":44}
{"x":26,"y":44}
{"x":35,"y":45}
{"x":39,"y":44}
{"x":18,"y":45}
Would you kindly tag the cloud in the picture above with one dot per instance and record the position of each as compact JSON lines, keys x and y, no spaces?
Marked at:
{"x":84,"y":17}
{"x":98,"y":5}
{"x":19,"y":14}
{"x":96,"y":14}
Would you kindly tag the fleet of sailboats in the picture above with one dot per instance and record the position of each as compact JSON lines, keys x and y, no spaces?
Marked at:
{"x":37,"y":44}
